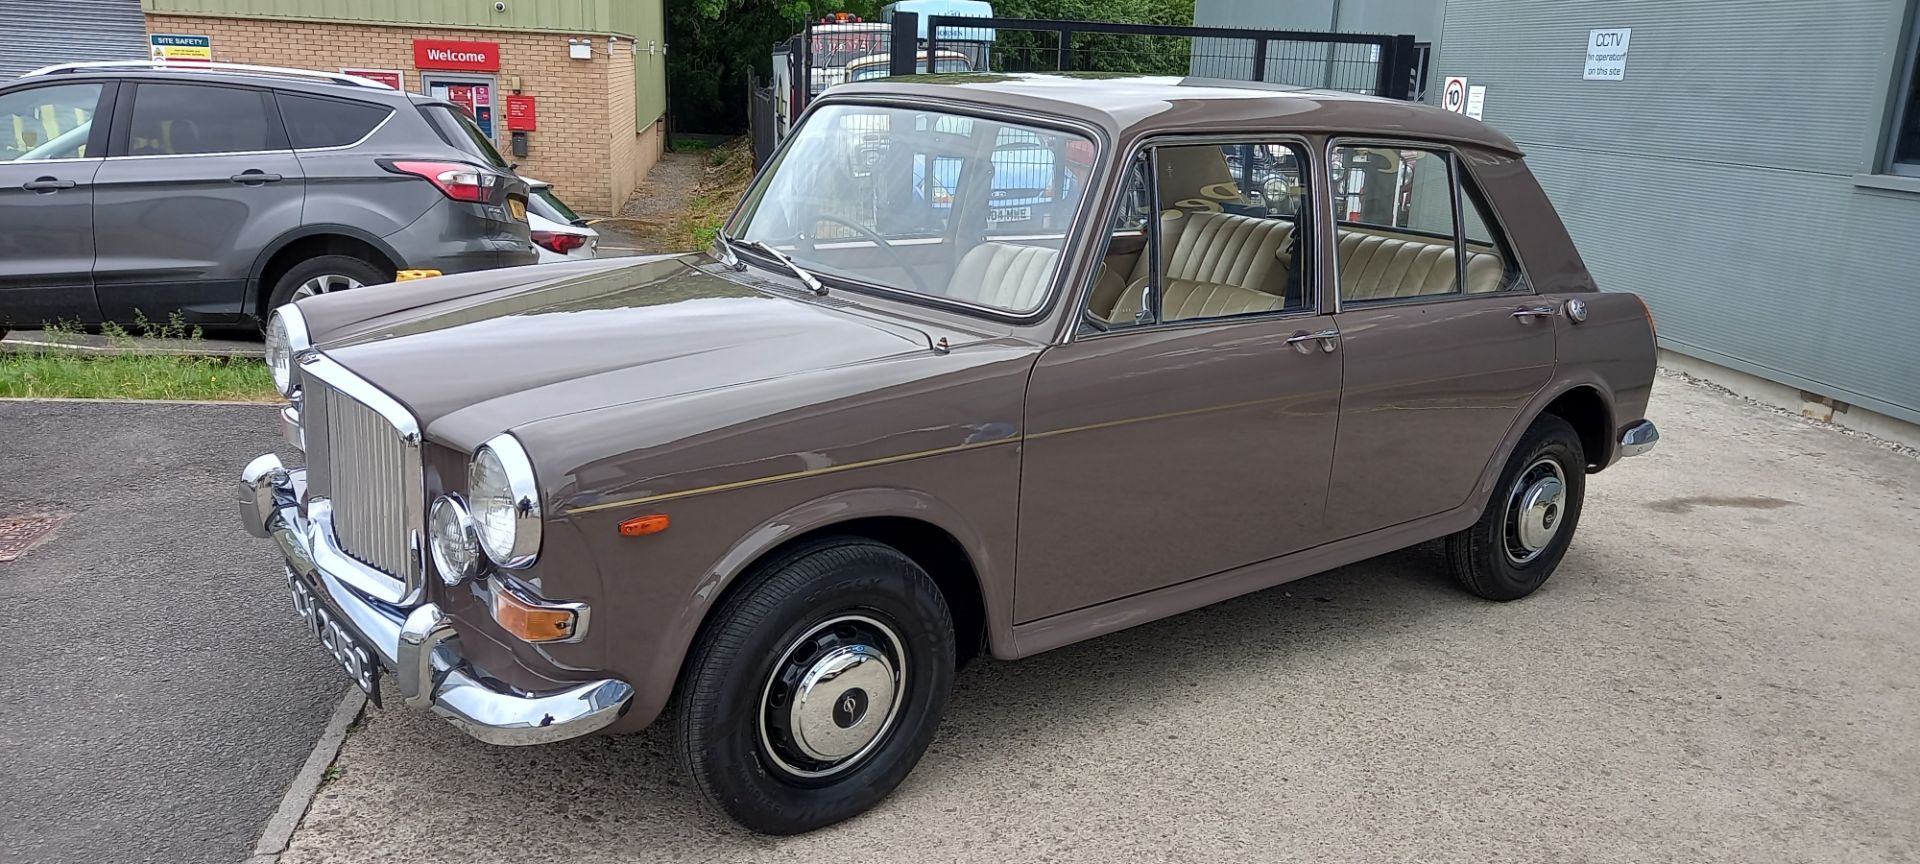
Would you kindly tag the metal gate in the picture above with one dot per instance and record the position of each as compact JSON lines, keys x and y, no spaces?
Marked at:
{"x":831,"y":53}
{"x":1372,"y":64}
{"x":36,"y":33}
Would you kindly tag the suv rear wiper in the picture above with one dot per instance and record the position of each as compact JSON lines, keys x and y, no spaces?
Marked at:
{"x":808,"y":279}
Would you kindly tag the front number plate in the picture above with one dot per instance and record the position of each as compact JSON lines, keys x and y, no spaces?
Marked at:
{"x":1009,"y":214}
{"x":337,"y":639}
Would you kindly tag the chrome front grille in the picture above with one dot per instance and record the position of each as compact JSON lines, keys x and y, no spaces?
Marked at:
{"x":368,"y":478}
{"x":365,"y":449}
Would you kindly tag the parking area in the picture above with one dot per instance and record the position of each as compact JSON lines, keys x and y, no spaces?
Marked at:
{"x":159,"y":695}
{"x":1721,"y":670}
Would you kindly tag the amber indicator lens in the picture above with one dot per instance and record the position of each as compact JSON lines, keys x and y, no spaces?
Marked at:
{"x":641,"y":526}
{"x":530,"y":622}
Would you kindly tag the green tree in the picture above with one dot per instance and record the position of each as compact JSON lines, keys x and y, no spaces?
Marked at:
{"x":719,"y":44}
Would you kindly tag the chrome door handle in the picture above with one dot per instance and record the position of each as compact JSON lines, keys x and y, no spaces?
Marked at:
{"x":1325,"y":337}
{"x":1534,"y":312}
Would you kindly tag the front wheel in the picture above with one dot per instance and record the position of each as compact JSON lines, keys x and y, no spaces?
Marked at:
{"x":1529,"y":523}
{"x":324,"y":274}
{"x":817,"y":686}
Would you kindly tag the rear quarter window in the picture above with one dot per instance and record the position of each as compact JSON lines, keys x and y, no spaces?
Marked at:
{"x":315,"y":122}
{"x":459,"y":132}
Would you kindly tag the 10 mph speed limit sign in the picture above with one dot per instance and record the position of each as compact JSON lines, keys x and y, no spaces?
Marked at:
{"x":1454,"y":97}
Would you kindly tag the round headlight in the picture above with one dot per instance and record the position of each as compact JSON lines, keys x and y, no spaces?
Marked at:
{"x":286,"y":337}
{"x":455,"y":544}
{"x":505,"y":502}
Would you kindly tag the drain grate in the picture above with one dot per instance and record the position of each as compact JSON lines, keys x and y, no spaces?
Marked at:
{"x":19,"y":533}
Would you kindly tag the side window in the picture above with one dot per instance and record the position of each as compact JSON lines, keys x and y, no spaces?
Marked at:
{"x":1491,"y":266}
{"x":315,"y":122}
{"x":1232,"y":237}
{"x":47,"y":122}
{"x":183,"y":119}
{"x":1396,"y":236}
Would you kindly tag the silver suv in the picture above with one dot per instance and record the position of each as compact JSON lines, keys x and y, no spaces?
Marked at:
{"x":220,"y":193}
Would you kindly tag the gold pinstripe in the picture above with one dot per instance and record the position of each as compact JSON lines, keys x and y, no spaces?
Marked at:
{"x":904,"y":457}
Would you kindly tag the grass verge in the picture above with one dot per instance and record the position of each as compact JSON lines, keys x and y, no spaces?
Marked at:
{"x":54,"y":373}
{"x":729,"y":171}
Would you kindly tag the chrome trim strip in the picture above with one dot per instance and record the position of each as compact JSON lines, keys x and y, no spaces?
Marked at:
{"x":163,"y":66}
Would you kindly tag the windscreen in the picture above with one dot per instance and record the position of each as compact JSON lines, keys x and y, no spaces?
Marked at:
{"x":964,"y":208}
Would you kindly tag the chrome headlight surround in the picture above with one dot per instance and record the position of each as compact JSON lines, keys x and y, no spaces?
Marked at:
{"x":505,"y":502}
{"x":287,"y":338}
{"x":453,"y":540}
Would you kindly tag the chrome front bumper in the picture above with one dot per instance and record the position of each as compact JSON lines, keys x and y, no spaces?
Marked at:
{"x":1638,"y":439}
{"x":418,"y":644}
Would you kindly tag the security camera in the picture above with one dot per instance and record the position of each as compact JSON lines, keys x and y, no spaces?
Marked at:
{"x":499,"y":5}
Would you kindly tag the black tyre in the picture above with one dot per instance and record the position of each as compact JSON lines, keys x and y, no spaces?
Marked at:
{"x":322,"y":275}
{"x":1530,"y":521}
{"x":816,"y":687}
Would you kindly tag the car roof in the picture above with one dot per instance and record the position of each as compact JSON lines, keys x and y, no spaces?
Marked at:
{"x":1128,"y":106}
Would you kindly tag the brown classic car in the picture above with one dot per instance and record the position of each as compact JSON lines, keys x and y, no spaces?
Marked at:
{"x":1224,"y":336}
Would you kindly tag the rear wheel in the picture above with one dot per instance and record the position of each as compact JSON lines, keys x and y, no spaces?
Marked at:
{"x":816,"y":688}
{"x":324,"y":275}
{"x":1528,"y":525}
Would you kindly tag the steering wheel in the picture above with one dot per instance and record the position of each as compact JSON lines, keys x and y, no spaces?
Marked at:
{"x":892,"y":252}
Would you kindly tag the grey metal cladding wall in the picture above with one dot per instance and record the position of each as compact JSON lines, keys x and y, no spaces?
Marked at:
{"x":36,"y":33}
{"x":1715,"y":180}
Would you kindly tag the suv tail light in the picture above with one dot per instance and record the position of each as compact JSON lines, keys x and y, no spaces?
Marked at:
{"x":458,"y":180}
{"x":559,"y":242}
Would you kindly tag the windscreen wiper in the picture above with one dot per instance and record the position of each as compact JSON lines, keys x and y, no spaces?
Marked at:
{"x":727,"y":257}
{"x":808,"y":279}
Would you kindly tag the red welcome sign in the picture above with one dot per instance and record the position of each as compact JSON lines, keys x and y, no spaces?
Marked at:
{"x":454,"y":54}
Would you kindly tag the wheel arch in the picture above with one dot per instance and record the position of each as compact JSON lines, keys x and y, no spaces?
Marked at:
{"x":309,"y":241}
{"x":1586,"y":396}
{"x":920,"y":525}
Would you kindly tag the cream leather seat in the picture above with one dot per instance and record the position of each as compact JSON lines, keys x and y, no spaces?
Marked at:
{"x":1003,"y":275}
{"x":1187,"y":298}
{"x":1378,"y":267}
{"x":1227,"y":249}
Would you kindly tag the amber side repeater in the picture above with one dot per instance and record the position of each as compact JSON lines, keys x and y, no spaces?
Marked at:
{"x":641,"y":526}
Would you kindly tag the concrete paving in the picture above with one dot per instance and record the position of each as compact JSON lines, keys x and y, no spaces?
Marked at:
{"x":159,"y":693}
{"x":1722,"y":670}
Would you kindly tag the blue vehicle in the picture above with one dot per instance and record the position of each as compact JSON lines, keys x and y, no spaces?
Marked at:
{"x":1026,"y":183}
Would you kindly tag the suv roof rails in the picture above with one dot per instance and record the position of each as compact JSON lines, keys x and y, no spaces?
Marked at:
{"x":336,"y":77}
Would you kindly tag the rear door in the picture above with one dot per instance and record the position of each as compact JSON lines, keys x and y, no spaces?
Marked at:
{"x":50,"y":151}
{"x":199,"y":182}
{"x":1435,"y":373}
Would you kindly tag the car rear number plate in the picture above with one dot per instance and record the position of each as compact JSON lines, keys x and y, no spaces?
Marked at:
{"x":1009,"y":214}
{"x":338,"y":639}
{"x":518,"y":209}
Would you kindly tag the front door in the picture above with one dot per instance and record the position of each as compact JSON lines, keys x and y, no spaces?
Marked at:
{"x":1187,"y":429}
{"x":1436,"y":373}
{"x":49,"y":154}
{"x":200,"y":181}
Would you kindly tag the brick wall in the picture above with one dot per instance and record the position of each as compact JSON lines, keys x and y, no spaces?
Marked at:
{"x":586,"y":145}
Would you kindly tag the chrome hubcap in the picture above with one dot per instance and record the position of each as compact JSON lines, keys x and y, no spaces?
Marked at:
{"x":833,"y":696}
{"x":324,"y":285}
{"x":1536,"y":508}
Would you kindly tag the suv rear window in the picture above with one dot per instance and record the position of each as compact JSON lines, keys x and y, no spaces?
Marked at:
{"x":316,"y":122}
{"x":458,"y":131}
